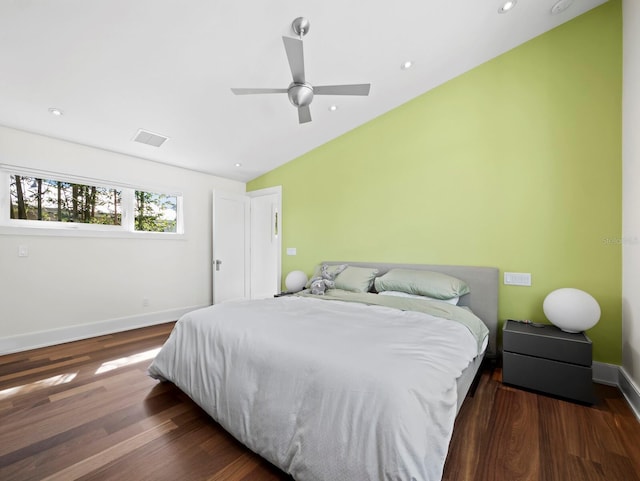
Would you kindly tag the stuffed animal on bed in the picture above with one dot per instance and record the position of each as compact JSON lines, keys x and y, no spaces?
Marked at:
{"x":326,"y":279}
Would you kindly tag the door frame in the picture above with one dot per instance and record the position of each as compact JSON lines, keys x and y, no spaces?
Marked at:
{"x":247,"y":240}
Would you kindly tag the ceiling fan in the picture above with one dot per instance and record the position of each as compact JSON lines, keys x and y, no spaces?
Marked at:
{"x":300,"y":91}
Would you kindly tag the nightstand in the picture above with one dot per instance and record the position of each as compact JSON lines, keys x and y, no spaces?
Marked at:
{"x":547,"y":359}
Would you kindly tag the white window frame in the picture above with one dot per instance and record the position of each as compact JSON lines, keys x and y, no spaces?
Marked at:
{"x":127,"y":205}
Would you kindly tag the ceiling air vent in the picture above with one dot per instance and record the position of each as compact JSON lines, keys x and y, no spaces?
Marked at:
{"x":149,"y":138}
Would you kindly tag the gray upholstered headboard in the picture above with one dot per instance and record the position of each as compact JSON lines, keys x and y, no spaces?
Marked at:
{"x":482,"y":298}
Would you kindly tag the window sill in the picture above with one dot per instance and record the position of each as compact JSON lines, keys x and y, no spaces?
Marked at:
{"x":79,"y":232}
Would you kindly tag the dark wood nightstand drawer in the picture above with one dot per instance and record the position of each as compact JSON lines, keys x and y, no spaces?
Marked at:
{"x":547,"y":342}
{"x":559,"y":378}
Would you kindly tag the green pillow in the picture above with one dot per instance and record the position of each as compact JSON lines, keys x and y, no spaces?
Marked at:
{"x":424,"y":283}
{"x":356,"y":279}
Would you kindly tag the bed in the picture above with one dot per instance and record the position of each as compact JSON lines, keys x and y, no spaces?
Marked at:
{"x":348,"y":386}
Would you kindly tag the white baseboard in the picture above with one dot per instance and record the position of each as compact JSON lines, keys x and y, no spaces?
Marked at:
{"x":631,"y":391}
{"x":34,"y":340}
{"x":604,"y":373}
{"x":615,"y":375}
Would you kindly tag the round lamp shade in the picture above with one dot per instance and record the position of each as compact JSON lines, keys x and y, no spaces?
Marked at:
{"x":572,"y":310}
{"x":295,"y":281}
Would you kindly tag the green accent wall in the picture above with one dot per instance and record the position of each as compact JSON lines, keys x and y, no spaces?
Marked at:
{"x":514,"y":164}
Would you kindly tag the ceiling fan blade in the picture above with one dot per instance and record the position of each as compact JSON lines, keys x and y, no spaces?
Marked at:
{"x":258,"y":91}
{"x":295,"y":56}
{"x":356,"y":89}
{"x":304,"y":114}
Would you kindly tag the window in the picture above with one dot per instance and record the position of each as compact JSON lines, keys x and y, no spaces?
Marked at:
{"x":155,"y":212}
{"x":55,"y":202}
{"x":34,"y":198}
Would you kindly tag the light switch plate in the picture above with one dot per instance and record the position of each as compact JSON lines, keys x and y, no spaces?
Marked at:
{"x":291,"y":251}
{"x":23,"y":251}
{"x":517,"y":278}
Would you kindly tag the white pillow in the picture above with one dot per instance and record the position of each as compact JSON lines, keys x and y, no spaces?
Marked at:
{"x":453,"y":300}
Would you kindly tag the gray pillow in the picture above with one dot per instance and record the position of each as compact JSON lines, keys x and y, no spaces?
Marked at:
{"x":356,"y":279}
{"x":423,"y":283}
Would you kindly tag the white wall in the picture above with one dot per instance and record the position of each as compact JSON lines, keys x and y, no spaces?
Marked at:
{"x":631,"y":190}
{"x":73,"y":287}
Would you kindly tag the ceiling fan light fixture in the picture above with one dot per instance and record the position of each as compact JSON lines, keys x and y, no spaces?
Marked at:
{"x":55,"y":112}
{"x":333,"y":108}
{"x":406,"y":65}
{"x":508,"y":5}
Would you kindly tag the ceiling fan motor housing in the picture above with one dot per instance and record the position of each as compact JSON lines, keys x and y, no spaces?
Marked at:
{"x":300,"y":95}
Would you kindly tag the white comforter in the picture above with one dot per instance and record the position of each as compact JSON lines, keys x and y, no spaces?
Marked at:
{"x":326,"y":390}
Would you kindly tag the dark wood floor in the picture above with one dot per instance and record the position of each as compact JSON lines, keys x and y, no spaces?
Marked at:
{"x":87,"y":410}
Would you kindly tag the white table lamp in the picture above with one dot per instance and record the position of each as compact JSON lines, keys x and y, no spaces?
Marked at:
{"x":572,"y":310}
{"x":295,"y":281}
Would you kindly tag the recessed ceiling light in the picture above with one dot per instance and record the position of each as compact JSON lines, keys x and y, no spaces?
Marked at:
{"x":406,"y":65}
{"x":56,"y":112}
{"x":507,"y":6}
{"x":560,"y":6}
{"x":238,"y":164}
{"x":333,"y":108}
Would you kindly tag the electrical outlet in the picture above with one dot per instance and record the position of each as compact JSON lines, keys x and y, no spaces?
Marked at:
{"x":23,"y":251}
{"x":145,"y":301}
{"x":291,"y":251}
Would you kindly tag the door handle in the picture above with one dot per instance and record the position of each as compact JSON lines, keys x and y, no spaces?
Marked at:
{"x":218,"y":262}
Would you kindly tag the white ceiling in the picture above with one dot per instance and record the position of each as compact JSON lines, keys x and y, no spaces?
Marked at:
{"x":115,"y":66}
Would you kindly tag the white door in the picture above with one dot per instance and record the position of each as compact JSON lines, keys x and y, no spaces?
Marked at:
{"x":265,"y":243}
{"x":231,"y":255}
